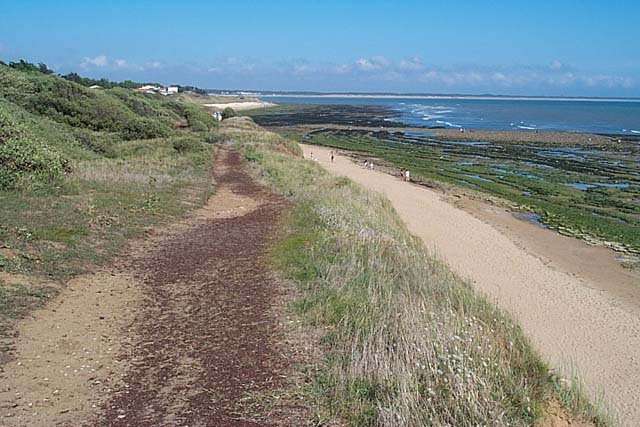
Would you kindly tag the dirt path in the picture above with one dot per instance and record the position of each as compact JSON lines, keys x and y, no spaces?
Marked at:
{"x":190,"y":333}
{"x":572,"y":323}
{"x":205,"y":336}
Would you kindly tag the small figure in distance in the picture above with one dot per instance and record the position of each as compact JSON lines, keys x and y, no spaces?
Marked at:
{"x":371,"y":165}
{"x":402,"y":174}
{"x":366,"y":164}
{"x":331,"y":156}
{"x":311,"y":155}
{"x":407,"y":176}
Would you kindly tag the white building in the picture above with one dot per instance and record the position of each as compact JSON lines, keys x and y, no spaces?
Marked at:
{"x":171,"y":90}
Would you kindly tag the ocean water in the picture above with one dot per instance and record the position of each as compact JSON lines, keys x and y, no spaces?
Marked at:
{"x":595,"y":116}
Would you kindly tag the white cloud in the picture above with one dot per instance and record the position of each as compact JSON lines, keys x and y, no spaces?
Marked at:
{"x":98,"y":61}
{"x":411,"y":64}
{"x":372,"y":64}
{"x":231,"y":60}
{"x":105,"y":63}
{"x":401,"y":74}
{"x":556,"y":65}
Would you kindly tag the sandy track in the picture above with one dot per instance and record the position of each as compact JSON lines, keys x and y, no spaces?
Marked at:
{"x":572,"y":324}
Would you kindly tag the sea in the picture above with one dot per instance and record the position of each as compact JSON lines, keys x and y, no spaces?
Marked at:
{"x":585,"y":115}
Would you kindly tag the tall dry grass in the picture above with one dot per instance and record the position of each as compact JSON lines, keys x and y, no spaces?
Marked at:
{"x":408,"y":343}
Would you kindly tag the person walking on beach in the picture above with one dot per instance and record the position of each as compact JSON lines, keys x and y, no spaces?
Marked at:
{"x":402,"y":174}
{"x":407,"y":176}
{"x":331,"y":156}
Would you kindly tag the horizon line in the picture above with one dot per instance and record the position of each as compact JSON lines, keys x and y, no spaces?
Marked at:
{"x":416,"y":95}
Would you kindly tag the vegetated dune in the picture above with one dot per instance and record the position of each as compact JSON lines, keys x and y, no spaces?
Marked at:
{"x":82,"y":170}
{"x":407,"y":341}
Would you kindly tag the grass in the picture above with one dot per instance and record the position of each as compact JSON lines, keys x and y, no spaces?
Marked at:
{"x":111,"y":185}
{"x":406,"y":341}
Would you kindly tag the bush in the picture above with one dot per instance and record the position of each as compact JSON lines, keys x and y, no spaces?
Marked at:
{"x":22,"y":158}
{"x":197,"y":119}
{"x":144,"y":128}
{"x":227,"y":113}
{"x":70,"y":103}
{"x":99,"y":143}
{"x":187,"y":145}
{"x":8,"y":128}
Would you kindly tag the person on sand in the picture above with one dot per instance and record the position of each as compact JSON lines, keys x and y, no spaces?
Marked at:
{"x":311,"y":155}
{"x":407,"y":176}
{"x":402,"y":174}
{"x":331,"y":156}
{"x":366,"y":164}
{"x":371,"y":165}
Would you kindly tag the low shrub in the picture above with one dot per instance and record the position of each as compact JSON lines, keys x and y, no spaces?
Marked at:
{"x":28,"y":161}
{"x":228,"y":112}
{"x":187,"y":144}
{"x":197,"y":119}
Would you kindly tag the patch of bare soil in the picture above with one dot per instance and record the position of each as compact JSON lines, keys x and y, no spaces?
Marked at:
{"x":206,"y":334}
{"x":557,"y":417}
{"x":64,"y":356}
{"x":8,"y":253}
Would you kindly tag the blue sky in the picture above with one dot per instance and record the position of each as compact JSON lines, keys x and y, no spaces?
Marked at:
{"x":561,"y":47}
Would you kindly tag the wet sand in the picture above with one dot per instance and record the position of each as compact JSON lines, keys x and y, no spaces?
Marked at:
{"x":597,"y":265}
{"x":581,"y":314}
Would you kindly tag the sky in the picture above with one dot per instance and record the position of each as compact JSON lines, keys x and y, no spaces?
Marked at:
{"x":543,"y":47}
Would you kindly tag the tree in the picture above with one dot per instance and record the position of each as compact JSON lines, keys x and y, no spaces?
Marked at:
{"x":23,"y":65}
{"x":44,"y":69}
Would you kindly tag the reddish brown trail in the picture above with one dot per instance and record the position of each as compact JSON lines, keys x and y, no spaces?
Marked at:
{"x":205,"y":335}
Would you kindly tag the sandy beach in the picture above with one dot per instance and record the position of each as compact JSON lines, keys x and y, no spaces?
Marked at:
{"x":580,"y":319}
{"x":240,"y":106}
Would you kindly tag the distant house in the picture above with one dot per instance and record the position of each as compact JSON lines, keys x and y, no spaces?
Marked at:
{"x":95,"y":87}
{"x":152,"y":89}
{"x":149,"y":89}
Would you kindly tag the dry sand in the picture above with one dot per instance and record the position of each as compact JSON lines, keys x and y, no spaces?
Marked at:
{"x":240,"y":106}
{"x":575,"y":324}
